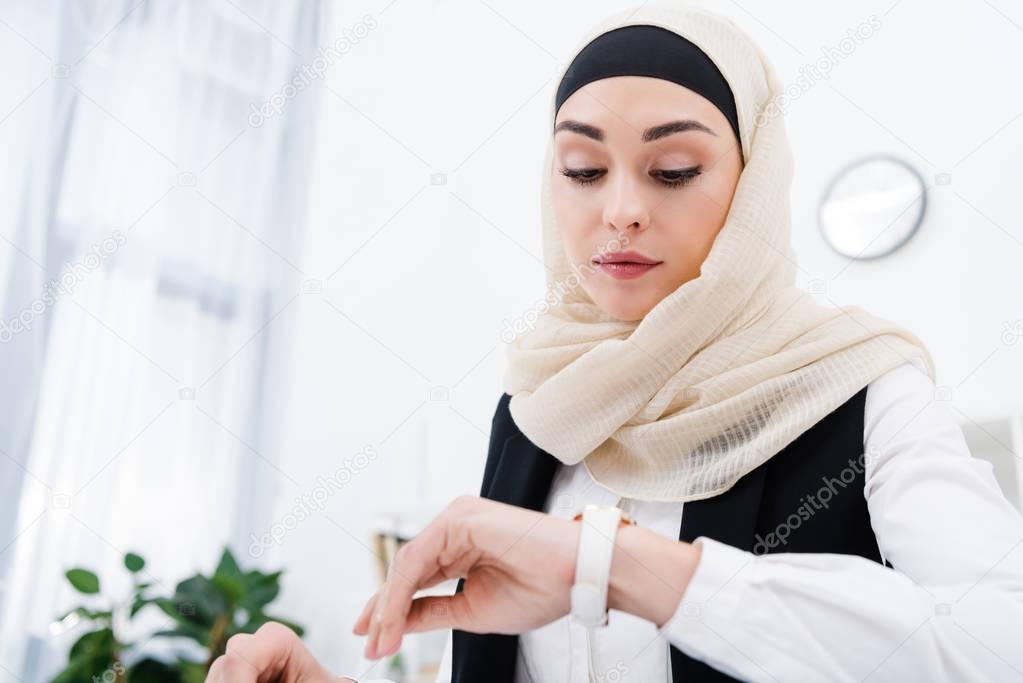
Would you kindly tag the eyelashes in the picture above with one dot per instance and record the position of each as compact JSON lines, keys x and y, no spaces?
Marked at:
{"x":582,"y":176}
{"x":673,"y":178}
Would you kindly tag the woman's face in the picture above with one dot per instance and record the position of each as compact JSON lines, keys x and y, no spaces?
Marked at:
{"x":651,"y":164}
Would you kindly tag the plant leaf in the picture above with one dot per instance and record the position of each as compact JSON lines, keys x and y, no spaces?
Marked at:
{"x":260,"y":589}
{"x":134,"y":563}
{"x":83,"y":580}
{"x":151,"y":670}
{"x":198,"y":601}
{"x":192,"y":672}
{"x":94,"y":645}
{"x":230,"y":587}
{"x":168,"y":607}
{"x":186,"y":630}
{"x":228,"y":566}
{"x":86,"y":613}
{"x":139,"y":602}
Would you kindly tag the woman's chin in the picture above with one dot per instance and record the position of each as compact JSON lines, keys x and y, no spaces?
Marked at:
{"x":626,"y":307}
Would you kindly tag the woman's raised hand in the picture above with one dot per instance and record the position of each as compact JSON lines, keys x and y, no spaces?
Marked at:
{"x":518,"y":565}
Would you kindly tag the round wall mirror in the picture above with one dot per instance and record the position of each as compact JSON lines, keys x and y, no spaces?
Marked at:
{"x":872,"y":207}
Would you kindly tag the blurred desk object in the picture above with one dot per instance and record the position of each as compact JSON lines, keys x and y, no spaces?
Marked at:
{"x":420,"y":654}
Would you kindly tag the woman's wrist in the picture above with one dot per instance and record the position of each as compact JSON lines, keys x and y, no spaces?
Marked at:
{"x":649,"y":574}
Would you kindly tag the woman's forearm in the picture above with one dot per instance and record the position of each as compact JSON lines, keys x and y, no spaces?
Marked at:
{"x":649,"y":573}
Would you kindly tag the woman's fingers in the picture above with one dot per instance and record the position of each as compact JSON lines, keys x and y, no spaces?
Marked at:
{"x":388,"y":617}
{"x":373,"y":636}
{"x":273,"y":652}
{"x":361,"y":627}
{"x":231,"y":669}
{"x":452,"y":545}
{"x":521,"y":563}
{"x":417,"y":564}
{"x":437,"y":611}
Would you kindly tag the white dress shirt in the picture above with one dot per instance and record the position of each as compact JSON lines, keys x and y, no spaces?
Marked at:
{"x":950,"y":610}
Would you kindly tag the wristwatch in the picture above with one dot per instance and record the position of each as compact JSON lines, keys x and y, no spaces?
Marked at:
{"x":593,"y":562}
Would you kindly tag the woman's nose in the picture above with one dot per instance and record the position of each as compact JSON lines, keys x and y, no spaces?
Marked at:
{"x":626,"y":208}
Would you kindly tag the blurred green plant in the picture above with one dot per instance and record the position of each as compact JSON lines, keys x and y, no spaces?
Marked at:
{"x":206,"y":610}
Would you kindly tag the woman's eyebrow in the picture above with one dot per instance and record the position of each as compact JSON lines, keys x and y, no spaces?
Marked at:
{"x":649,"y":135}
{"x":680,"y":126}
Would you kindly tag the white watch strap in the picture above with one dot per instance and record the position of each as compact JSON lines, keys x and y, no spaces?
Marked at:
{"x":593,"y":564}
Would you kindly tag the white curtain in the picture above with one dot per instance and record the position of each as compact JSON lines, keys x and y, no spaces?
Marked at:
{"x":148,"y":273}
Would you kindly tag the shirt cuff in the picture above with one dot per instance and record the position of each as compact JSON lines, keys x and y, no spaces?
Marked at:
{"x":708,"y":599}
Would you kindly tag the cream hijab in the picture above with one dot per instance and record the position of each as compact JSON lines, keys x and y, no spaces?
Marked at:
{"x":726,"y":370}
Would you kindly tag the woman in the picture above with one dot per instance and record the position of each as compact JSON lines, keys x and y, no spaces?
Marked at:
{"x":683,"y":378}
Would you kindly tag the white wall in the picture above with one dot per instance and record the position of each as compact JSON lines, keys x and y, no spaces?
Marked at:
{"x":418,"y":277}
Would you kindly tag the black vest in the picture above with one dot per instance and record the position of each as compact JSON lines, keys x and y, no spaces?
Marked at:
{"x":824,"y":462}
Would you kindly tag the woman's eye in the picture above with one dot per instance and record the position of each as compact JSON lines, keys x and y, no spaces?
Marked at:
{"x":583,"y":176}
{"x":677,"y":176}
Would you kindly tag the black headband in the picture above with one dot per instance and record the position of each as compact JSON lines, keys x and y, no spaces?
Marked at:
{"x":644,"y":50}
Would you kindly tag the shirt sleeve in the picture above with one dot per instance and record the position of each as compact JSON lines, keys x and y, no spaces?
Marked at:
{"x":949,"y":609}
{"x":444,"y":671}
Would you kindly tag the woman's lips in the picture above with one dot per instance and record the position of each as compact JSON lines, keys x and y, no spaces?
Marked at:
{"x":627,"y":270}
